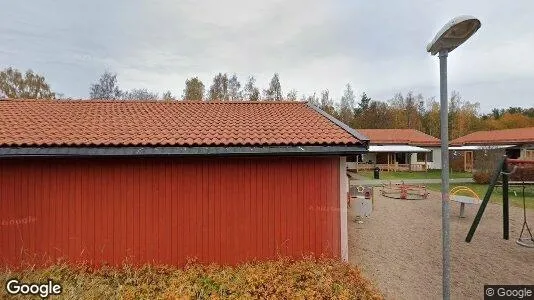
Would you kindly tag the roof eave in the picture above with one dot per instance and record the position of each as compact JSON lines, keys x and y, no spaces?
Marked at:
{"x":13,"y":152}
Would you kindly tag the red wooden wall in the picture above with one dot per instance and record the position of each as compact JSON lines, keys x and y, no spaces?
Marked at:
{"x":223,"y":210}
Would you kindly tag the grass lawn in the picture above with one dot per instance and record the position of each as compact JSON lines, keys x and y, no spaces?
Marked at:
{"x":430,"y":174}
{"x":515,"y":193}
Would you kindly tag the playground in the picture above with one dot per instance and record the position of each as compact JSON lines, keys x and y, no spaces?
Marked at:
{"x":399,"y":248}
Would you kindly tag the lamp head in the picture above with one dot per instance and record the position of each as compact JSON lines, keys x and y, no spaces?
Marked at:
{"x":453,"y":34}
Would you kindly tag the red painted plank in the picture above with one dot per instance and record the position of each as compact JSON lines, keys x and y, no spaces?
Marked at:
{"x":205,"y":211}
{"x":6,"y":215}
{"x":80,"y":211}
{"x":53,"y":198}
{"x":118,"y":213}
{"x":180,"y":213}
{"x":249,"y":210}
{"x":128,"y":204}
{"x":168,"y":210}
{"x":267,"y":236}
{"x":323,"y":208}
{"x":68,"y":209}
{"x":143,"y":211}
{"x":136,"y":212}
{"x":196,"y":212}
{"x":297,"y":210}
{"x":254,"y":211}
{"x":337,"y":221}
{"x":4,"y":218}
{"x":210,"y":210}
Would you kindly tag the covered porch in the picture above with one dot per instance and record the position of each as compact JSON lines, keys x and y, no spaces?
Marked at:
{"x":469,"y":158}
{"x":392,"y":158}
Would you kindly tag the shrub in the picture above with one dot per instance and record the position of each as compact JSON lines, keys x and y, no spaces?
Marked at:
{"x":481,"y":177}
{"x":279,"y":279}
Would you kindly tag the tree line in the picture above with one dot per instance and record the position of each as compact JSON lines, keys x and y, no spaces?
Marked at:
{"x":410,"y":110}
{"x":223,"y":88}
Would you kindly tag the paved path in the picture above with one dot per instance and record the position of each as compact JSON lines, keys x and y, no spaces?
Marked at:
{"x":378,"y":182}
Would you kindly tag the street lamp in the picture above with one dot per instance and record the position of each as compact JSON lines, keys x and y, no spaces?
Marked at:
{"x":452,"y":35}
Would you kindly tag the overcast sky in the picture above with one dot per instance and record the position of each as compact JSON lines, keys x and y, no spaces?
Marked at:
{"x":377,"y":46}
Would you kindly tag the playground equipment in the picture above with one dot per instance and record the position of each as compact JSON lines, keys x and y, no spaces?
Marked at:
{"x":363,"y":199}
{"x":503,"y":169}
{"x":458,"y":194}
{"x":526,"y":241}
{"x":404,"y":191}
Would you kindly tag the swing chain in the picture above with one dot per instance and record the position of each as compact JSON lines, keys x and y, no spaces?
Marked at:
{"x":520,"y":240}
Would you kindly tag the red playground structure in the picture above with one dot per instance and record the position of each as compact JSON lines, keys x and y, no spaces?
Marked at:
{"x":404,"y":191}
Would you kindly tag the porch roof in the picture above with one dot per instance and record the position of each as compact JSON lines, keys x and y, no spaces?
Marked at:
{"x":480,"y":147}
{"x":397,"y":148}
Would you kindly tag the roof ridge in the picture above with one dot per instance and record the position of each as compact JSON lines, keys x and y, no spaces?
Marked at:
{"x":397,"y":129}
{"x":411,"y":129}
{"x":529,"y":127}
{"x":495,"y":130}
{"x":80,"y":100}
{"x":505,"y":129}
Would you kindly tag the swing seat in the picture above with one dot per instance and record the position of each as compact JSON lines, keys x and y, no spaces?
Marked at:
{"x":525,"y":242}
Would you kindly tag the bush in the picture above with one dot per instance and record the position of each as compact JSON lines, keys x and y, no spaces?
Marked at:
{"x":279,"y":279}
{"x":481,"y":177}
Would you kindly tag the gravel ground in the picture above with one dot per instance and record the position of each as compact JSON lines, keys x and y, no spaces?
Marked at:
{"x":399,"y":248}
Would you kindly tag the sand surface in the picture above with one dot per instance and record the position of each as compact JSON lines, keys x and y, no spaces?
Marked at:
{"x":399,"y":248}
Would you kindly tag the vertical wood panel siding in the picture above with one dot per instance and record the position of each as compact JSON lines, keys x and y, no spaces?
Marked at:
{"x":166,"y":211}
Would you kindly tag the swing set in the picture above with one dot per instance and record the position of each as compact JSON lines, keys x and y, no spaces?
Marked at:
{"x":525,"y":238}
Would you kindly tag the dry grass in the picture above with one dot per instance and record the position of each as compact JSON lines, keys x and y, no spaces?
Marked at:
{"x":280,"y":279}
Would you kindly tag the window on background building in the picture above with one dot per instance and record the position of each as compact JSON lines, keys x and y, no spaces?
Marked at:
{"x":356,"y":158}
{"x":400,"y":158}
{"x":513,"y":153}
{"x":421,"y":157}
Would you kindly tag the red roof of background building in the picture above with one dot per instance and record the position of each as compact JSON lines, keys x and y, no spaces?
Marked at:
{"x":399,"y":136}
{"x":157,"y":123}
{"x":497,"y":137}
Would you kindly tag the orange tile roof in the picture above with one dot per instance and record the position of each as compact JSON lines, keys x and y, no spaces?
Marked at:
{"x":153,"y":123}
{"x":399,"y":136}
{"x":497,"y":137}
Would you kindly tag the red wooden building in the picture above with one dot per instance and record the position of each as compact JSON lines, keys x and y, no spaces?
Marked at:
{"x":160,"y":182}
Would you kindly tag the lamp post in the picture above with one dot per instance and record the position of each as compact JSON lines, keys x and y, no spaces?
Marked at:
{"x":452,"y":35}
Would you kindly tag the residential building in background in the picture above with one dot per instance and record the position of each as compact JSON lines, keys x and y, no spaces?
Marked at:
{"x":398,"y":150}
